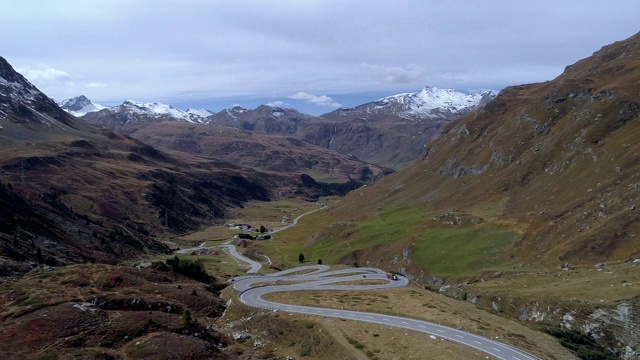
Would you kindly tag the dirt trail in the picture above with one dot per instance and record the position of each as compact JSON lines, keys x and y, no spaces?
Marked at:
{"x":337,"y":334}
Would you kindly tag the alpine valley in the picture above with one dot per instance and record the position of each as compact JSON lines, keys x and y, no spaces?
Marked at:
{"x":515,"y":216}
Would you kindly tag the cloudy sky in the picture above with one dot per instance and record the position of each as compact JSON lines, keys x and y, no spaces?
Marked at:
{"x":311,"y":55}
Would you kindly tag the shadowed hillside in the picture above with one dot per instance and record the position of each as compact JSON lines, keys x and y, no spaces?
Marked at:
{"x":71,"y":192}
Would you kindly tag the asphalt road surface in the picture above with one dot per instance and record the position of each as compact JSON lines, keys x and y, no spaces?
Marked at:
{"x":295,"y":221}
{"x":316,"y":277}
{"x":254,"y":265}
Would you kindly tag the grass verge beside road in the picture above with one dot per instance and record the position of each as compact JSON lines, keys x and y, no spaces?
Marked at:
{"x":416,"y":302}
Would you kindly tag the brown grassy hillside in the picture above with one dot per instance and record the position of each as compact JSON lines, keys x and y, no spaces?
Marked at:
{"x":557,"y":162}
{"x":274,"y":154}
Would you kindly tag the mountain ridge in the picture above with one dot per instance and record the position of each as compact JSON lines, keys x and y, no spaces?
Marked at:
{"x":418,"y":104}
{"x":390,"y":132}
{"x":428,"y":103}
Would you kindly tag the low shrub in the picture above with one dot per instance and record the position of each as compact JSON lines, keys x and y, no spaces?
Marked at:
{"x":189,"y":268}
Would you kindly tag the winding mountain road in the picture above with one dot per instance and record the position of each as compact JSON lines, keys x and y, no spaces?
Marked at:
{"x":295,"y":221}
{"x":322,"y":279}
{"x":318,"y":277}
{"x":255,"y":266}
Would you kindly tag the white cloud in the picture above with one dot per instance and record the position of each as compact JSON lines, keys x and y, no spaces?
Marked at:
{"x":96,"y":85}
{"x":246,"y":49}
{"x":46,"y":74}
{"x":276,"y":103}
{"x":320,"y":100}
{"x":396,"y":74}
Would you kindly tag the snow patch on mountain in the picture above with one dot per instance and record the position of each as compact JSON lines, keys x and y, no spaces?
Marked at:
{"x":80,"y":105}
{"x":199,"y":112}
{"x":432,"y":101}
{"x":235,"y":111}
{"x":17,"y":90}
{"x":156,"y":109}
{"x":152,"y":108}
{"x":20,"y":98}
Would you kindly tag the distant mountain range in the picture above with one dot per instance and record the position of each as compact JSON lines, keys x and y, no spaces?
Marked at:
{"x":130,"y":112}
{"x":389,"y":132}
{"x":427,"y":103}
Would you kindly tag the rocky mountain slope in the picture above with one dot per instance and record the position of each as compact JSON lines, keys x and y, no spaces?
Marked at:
{"x":265,"y":119}
{"x":393,"y":130}
{"x":97,"y":311}
{"x":277,"y":155}
{"x":253,"y":138}
{"x":428,"y":103}
{"x":71,"y":192}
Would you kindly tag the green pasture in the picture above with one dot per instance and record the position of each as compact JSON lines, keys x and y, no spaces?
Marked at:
{"x":447,"y":251}
{"x":452,"y":252}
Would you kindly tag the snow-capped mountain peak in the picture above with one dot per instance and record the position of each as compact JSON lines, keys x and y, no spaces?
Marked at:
{"x":138,"y":112}
{"x":432,"y":102}
{"x":80,"y":105}
{"x":157,"y":110}
{"x":200,"y":112}
{"x":234,"y":112}
{"x":153,"y":108}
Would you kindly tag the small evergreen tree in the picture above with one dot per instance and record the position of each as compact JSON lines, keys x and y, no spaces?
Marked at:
{"x":187,"y":319}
